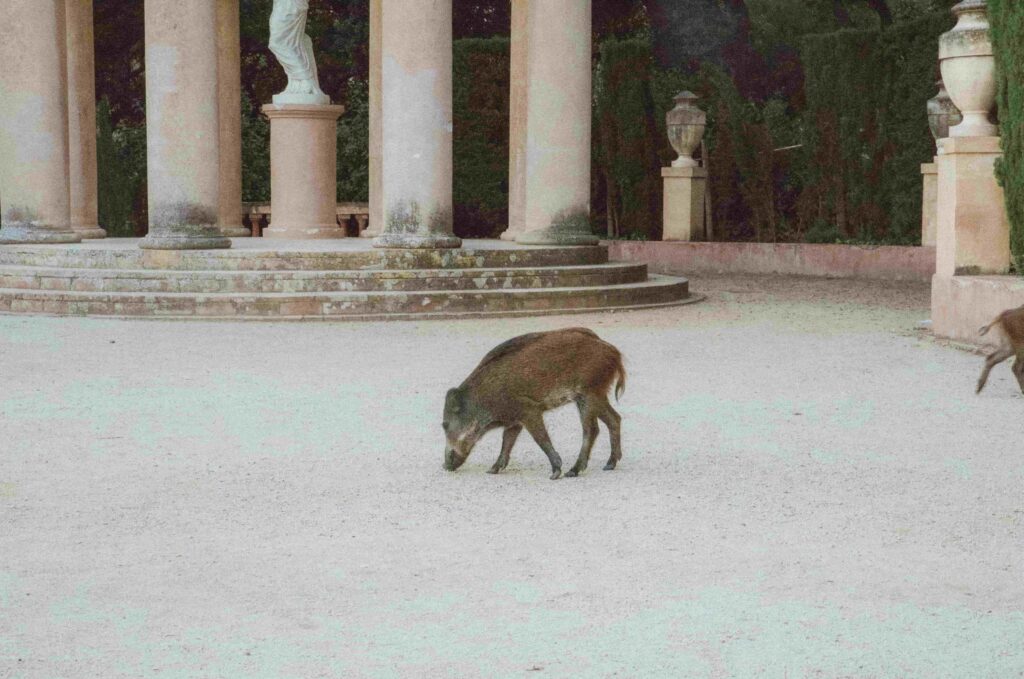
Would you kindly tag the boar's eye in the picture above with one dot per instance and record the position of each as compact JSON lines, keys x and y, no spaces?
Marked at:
{"x":444,"y":425}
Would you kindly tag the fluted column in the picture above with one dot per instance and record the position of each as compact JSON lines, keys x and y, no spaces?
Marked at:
{"x":229,"y":77}
{"x":557,"y":193}
{"x":376,"y":127}
{"x":417,"y":124}
{"x":182,"y":125}
{"x":34,"y":203}
{"x":82,"y":119}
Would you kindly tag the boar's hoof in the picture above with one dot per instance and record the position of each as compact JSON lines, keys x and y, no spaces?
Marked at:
{"x":610,"y":466}
{"x":571,"y":474}
{"x":556,"y":474}
{"x":494,"y":470}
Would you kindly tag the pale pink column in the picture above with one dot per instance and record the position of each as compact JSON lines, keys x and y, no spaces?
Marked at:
{"x":182,"y":125}
{"x":82,"y":120}
{"x":519,"y":53}
{"x":557,"y":174}
{"x":34,"y":201}
{"x":417,"y":124}
{"x":376,"y":127}
{"x":229,"y":77}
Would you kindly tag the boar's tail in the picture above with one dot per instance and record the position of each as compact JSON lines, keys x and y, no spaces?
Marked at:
{"x":620,"y":384}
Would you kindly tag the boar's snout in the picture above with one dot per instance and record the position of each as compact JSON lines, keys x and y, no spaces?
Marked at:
{"x":453,"y":460}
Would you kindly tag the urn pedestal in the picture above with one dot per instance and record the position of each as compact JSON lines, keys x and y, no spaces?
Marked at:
{"x":303,"y":171}
{"x":973,"y":234}
{"x":683,"y":203}
{"x":929,"y":202}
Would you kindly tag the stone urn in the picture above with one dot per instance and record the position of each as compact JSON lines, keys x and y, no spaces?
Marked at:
{"x":685,"y":125}
{"x":942,"y":113}
{"x":969,"y":69}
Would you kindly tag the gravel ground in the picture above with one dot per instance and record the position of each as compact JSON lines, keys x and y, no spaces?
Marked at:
{"x":809,"y":488}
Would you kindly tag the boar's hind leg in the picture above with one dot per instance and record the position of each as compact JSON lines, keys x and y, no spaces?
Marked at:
{"x":612,"y":420}
{"x":535,"y":425}
{"x":994,"y":359}
{"x":589,"y":420}
{"x":508,"y":439}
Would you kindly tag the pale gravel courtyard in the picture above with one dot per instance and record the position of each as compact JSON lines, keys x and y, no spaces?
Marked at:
{"x":809,"y":488}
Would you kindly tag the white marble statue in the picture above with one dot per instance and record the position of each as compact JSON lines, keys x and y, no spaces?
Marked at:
{"x":294,"y":51}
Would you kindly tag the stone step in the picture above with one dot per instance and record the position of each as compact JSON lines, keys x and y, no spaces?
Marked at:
{"x":174,"y":281}
{"x":656,"y":291}
{"x":250,"y":255}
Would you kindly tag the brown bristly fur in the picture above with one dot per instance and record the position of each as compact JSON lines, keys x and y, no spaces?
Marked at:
{"x":1009,"y":326}
{"x":517,"y":381}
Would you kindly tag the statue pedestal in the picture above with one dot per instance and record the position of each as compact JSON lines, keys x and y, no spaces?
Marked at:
{"x":973,"y":230}
{"x":929,"y":202}
{"x":303,"y":171}
{"x":683,"y":217}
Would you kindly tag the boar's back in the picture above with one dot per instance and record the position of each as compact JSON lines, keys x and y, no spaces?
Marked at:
{"x":516,"y":344}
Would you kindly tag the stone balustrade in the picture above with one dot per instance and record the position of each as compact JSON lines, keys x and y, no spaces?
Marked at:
{"x":353,"y":218}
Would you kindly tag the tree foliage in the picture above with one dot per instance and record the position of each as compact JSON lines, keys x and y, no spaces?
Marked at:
{"x":1008,"y":39}
{"x":627,"y":138}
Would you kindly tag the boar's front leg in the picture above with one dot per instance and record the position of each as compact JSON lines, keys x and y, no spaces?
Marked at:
{"x":535,"y":425}
{"x":508,"y":439}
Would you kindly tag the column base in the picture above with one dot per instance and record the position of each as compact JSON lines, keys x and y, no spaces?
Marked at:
{"x":556,"y":237}
{"x":416,"y":240}
{"x":184,"y":243}
{"x":508,"y":235}
{"x":312,"y":232}
{"x":234,"y":231}
{"x":12,"y":234}
{"x":89,"y":232}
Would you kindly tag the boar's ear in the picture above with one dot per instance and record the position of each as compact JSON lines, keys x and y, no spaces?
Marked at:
{"x":453,"y":401}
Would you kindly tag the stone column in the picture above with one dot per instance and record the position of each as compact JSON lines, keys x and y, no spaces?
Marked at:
{"x":557,"y":196}
{"x":182,"y":125}
{"x":82,"y":119}
{"x":417,"y":124}
{"x":929,"y":202}
{"x":229,"y":106}
{"x":520,"y":50}
{"x":303,"y":171}
{"x":973,"y":234}
{"x":34,"y":202}
{"x":376,"y":128}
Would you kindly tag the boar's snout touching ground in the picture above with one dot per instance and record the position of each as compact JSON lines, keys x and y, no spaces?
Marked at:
{"x":1009,"y":329}
{"x":517,"y":381}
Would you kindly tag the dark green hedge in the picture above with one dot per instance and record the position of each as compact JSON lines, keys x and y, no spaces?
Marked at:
{"x":627,"y":140}
{"x":1007,"y":18}
{"x":480,"y":116}
{"x":121,"y":175}
{"x":867,"y":129}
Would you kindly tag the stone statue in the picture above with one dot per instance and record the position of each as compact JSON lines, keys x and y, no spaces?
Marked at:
{"x":294,"y":51}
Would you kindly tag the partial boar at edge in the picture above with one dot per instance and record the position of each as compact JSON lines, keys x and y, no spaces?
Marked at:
{"x":521,"y":379}
{"x":1008,"y":328}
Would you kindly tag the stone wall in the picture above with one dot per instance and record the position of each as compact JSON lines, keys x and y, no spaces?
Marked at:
{"x":798,"y":259}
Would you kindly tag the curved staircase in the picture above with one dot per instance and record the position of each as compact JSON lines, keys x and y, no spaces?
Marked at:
{"x":323,"y":280}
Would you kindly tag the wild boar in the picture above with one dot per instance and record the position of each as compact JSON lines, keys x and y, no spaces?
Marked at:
{"x":1010,"y":328}
{"x":521,"y":379}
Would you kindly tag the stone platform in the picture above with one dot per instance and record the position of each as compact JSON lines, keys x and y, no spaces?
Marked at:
{"x":344,"y":279}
